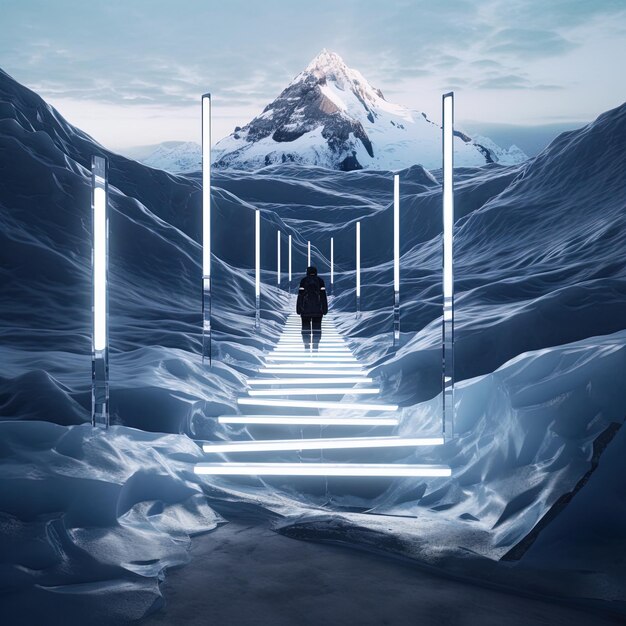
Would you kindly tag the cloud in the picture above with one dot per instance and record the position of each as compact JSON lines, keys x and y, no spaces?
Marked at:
{"x":524,"y":42}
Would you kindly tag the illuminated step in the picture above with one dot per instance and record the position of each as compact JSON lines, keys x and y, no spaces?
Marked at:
{"x":315,"y":391}
{"x":302,"y":352}
{"x":310,"y":370}
{"x":298,"y":343}
{"x":321,"y":469}
{"x":317,"y":404}
{"x":310,"y":380}
{"x":308,"y":420}
{"x":313,"y":357}
{"x":321,"y":444}
{"x":320,"y":366}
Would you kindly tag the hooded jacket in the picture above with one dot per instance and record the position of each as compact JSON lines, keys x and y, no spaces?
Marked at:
{"x":312,"y":300}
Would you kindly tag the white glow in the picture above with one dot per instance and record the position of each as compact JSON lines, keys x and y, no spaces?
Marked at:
{"x":313,"y":420}
{"x":320,"y":469}
{"x":206,"y":185}
{"x":317,"y":404}
{"x":314,"y":357}
{"x":448,"y":197}
{"x":278,"y":257}
{"x":99,"y":268}
{"x":332,"y":260}
{"x":321,"y":444}
{"x":257,"y":252}
{"x":358,"y":259}
{"x":396,"y":233}
{"x":319,"y":366}
{"x":315,"y":391}
{"x":309,"y":370}
{"x":310,"y":381}
{"x":301,"y":351}
{"x":308,"y":254}
{"x":289,"y":258}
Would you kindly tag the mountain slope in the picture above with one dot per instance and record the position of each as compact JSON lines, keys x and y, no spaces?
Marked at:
{"x":332,"y":117}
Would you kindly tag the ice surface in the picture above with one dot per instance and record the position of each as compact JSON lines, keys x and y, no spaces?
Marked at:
{"x":540,"y":311}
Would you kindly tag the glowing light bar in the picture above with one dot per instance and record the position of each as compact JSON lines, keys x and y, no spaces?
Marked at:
{"x":310,"y":381}
{"x":290,"y":260}
{"x":358,"y":259}
{"x":315,"y":391}
{"x":448,"y":267}
{"x":332,"y":261}
{"x":100,"y":251}
{"x":278,"y":257}
{"x":310,"y":370}
{"x":317,"y":404}
{"x":314,"y":357}
{"x":99,"y":268}
{"x":257,"y":268}
{"x":206,"y":184}
{"x":321,"y":469}
{"x":319,"y":366}
{"x":303,"y":351}
{"x":396,"y":233}
{"x":308,"y":254}
{"x":321,"y":444}
{"x":313,"y":420}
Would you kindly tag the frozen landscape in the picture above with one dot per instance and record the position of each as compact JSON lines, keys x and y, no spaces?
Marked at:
{"x":92,"y":520}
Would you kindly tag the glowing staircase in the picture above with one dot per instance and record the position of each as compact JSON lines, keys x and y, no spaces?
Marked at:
{"x":327,"y":387}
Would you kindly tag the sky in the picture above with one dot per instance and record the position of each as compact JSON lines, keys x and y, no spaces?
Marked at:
{"x":131,"y":73}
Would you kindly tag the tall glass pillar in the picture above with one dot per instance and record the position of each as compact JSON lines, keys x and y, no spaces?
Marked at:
{"x":289,"y":260}
{"x":396,"y":260}
{"x":358,"y":267}
{"x":332,"y":265}
{"x":448,"y":267}
{"x":100,"y":305}
{"x":278,"y":258}
{"x":206,"y":228}
{"x":257,"y":268}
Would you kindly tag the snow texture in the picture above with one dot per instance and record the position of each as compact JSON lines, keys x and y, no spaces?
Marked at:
{"x":91,"y":520}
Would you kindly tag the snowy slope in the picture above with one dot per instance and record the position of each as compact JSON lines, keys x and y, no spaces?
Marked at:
{"x":331,"y":116}
{"x":175,"y":156}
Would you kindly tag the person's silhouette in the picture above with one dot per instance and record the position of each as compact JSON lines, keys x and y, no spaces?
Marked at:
{"x":312,"y":305}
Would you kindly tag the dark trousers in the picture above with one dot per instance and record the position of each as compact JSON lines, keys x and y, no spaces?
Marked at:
{"x":311,"y":331}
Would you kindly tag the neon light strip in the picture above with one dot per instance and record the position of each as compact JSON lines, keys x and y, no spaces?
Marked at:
{"x":307,"y":351}
{"x":308,"y":254}
{"x":313,"y":357}
{"x":320,"y":469}
{"x":310,"y":381}
{"x":358,"y":259}
{"x":317,"y":404}
{"x":448,"y":199}
{"x":318,"y":366}
{"x":396,"y":233}
{"x":257,"y":252}
{"x":332,"y":260}
{"x":321,"y":444}
{"x":99,"y":268}
{"x":278,"y":257}
{"x":313,"y":420}
{"x":309,"y":370}
{"x":315,"y":391}
{"x":289,"y":258}
{"x":206,"y":185}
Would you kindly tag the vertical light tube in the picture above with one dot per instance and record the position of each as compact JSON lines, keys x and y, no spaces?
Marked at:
{"x":289,"y":263}
{"x":448,"y":268}
{"x":206,"y":228}
{"x":100,"y":306}
{"x":332,"y":264}
{"x":257,"y":268}
{"x":396,"y":260}
{"x":278,"y":258}
{"x":358,"y":267}
{"x":308,"y":254}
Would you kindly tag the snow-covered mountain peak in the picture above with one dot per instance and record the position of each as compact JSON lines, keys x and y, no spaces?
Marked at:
{"x":331,"y":116}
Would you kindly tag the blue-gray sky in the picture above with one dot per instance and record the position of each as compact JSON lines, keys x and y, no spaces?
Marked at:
{"x":131,"y":72}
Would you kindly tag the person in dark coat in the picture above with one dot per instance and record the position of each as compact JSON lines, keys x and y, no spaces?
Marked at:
{"x":312,"y":305}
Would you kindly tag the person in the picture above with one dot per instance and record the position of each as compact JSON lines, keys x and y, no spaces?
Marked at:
{"x":312,"y":305}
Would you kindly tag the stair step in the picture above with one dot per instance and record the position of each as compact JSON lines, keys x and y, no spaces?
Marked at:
{"x":311,"y":380}
{"x":319,"y":366}
{"x":316,"y":391}
{"x":321,"y":469}
{"x":308,"y":420}
{"x":316,"y":404}
{"x":320,"y":444}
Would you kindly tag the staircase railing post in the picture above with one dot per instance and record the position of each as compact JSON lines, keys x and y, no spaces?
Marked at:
{"x":206,"y":228}
{"x":100,"y":305}
{"x":448,"y":264}
{"x":396,"y":260}
{"x":257,"y":268}
{"x":358,"y":268}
